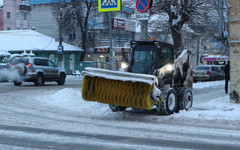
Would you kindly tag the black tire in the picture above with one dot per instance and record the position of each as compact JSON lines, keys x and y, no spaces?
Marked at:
{"x":17,"y":83}
{"x":169,"y":103}
{"x":116,"y":108}
{"x":40,"y":80}
{"x":61,"y":79}
{"x":185,"y":98}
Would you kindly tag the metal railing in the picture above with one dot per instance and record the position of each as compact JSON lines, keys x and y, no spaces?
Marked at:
{"x":102,"y":65}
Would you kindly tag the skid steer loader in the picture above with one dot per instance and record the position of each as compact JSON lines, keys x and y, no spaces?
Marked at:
{"x":153,"y":79}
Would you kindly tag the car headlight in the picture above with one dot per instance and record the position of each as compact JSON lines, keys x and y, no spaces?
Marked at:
{"x":169,"y":67}
{"x":124,"y":65}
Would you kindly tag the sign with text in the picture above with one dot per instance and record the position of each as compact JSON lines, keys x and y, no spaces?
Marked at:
{"x":143,"y":15}
{"x":109,"y":5}
{"x":118,"y":24}
{"x":101,"y":50}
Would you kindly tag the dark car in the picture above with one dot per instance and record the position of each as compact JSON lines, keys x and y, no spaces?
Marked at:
{"x":207,"y":73}
{"x":3,"y":75}
{"x":36,"y":69}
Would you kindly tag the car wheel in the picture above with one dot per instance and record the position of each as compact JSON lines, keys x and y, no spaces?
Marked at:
{"x":61,"y":79}
{"x":40,"y":80}
{"x":17,"y":83}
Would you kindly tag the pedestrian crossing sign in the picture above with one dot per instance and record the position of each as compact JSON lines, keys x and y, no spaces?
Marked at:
{"x":109,"y":5}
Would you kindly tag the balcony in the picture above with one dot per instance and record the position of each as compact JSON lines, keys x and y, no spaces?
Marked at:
{"x":25,"y":7}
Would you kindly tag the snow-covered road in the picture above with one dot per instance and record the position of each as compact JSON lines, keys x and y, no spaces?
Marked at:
{"x":53,"y":118}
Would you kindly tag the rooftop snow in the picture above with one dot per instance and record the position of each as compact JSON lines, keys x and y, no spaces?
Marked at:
{"x":19,"y":40}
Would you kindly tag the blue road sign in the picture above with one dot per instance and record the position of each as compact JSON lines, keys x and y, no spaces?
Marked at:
{"x":142,"y":5}
{"x":109,"y":5}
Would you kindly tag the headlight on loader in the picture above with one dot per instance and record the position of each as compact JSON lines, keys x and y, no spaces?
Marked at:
{"x":124,"y":65}
{"x":169,"y":67}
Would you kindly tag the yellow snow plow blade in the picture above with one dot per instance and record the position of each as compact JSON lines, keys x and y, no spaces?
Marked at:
{"x":117,"y":88}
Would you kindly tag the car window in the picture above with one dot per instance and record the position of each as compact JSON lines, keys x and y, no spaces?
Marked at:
{"x":41,"y":62}
{"x":202,"y":68}
{"x":214,"y":69}
{"x":19,"y":60}
{"x":50,"y":63}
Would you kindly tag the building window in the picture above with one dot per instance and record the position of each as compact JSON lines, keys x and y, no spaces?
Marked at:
{"x":72,"y":62}
{"x":26,"y":2}
{"x":8,"y":28}
{"x":25,"y":16}
{"x":17,"y":15}
{"x":8,"y":14}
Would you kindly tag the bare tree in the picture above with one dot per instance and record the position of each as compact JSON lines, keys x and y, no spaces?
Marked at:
{"x":198,"y":14}
{"x":74,"y":16}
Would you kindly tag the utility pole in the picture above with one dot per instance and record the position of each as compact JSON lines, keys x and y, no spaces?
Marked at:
{"x":110,"y":39}
{"x":220,"y":21}
{"x":60,"y":46}
{"x":144,"y":30}
{"x":197,"y":52}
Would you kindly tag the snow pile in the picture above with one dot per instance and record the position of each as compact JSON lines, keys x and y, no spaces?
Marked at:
{"x":219,"y":108}
{"x":71,"y":99}
{"x":201,"y":85}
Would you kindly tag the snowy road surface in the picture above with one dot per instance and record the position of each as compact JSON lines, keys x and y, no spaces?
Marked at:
{"x":56,"y":117}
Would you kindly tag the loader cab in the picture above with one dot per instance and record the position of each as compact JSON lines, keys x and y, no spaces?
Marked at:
{"x":148,"y":56}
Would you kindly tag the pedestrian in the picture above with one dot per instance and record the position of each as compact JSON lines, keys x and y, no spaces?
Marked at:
{"x":227,"y":76}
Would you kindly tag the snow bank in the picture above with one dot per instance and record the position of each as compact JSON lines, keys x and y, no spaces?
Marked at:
{"x":219,"y":108}
{"x":201,"y":85}
{"x":71,"y":99}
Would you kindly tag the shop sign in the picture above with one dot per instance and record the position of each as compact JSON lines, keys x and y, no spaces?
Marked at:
{"x":118,"y":24}
{"x":101,"y":50}
{"x":126,"y":50}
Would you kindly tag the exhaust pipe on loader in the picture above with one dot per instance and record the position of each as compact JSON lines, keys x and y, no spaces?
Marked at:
{"x":120,"y":88}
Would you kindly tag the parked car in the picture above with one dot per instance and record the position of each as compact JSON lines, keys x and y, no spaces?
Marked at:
{"x":3,"y":76}
{"x":207,"y":73}
{"x":37,"y":69}
{"x":221,"y":70}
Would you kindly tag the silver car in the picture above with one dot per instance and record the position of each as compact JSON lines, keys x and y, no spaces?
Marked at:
{"x":37,"y":70}
{"x":206,"y":73}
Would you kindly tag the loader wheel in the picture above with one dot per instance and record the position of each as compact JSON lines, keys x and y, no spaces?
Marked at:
{"x":169,"y":103}
{"x":185,"y":98}
{"x":116,"y":108}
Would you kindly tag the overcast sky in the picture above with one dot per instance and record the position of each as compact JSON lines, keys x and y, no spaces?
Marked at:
{"x":1,"y":2}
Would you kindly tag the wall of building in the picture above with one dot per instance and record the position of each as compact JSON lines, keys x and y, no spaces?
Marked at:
{"x":16,"y":20}
{"x":43,"y":20}
{"x":11,"y":7}
{"x":234,"y":27}
{"x":1,"y":19}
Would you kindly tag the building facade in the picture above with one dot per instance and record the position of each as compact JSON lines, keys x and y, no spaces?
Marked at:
{"x":26,"y":42}
{"x":123,"y":30}
{"x":15,"y":15}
